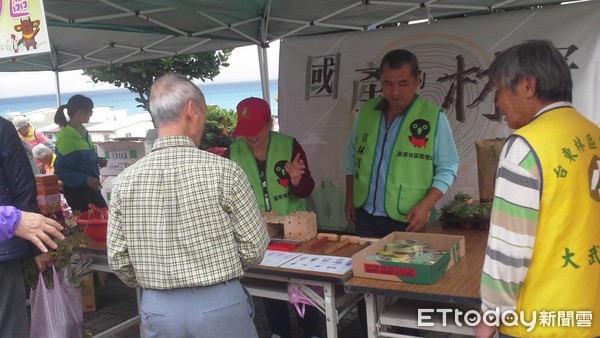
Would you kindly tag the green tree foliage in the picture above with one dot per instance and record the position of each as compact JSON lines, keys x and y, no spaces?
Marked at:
{"x":220,"y":123}
{"x":139,"y":76}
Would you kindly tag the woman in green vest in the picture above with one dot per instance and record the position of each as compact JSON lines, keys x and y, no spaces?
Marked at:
{"x":76,"y":159}
{"x":277,"y":169}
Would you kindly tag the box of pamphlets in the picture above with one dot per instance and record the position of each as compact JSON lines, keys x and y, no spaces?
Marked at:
{"x":409,"y":257}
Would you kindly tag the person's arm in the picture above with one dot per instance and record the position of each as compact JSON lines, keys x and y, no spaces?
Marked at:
{"x":445,"y":163}
{"x":50,"y":145}
{"x":9,"y":221}
{"x":349,"y":205}
{"x":37,"y":229}
{"x":250,"y":232}
{"x":303,"y":185}
{"x":419,"y":214}
{"x":41,"y":138}
{"x":350,"y":158}
{"x":116,"y":244}
{"x":513,"y":227}
{"x":445,"y":156}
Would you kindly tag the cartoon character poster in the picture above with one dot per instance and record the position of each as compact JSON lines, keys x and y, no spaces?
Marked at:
{"x":23,"y":28}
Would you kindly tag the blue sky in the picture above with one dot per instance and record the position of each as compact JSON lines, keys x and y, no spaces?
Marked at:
{"x":243,"y":67}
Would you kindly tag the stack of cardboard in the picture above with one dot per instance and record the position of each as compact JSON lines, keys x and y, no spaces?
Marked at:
{"x":48,"y":196}
{"x":89,"y":291}
{"x":119,"y":155}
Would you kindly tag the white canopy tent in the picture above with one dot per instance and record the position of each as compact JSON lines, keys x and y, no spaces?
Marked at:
{"x":88,"y":33}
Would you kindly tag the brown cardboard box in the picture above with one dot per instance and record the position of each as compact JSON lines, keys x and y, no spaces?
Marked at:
{"x":89,"y":292}
{"x":363,"y":266}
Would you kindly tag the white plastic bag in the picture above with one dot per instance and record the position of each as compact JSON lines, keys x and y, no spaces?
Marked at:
{"x":56,"y":313}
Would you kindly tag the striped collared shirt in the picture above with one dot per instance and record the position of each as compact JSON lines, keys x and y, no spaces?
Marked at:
{"x":182,"y":217}
{"x":513,"y":224}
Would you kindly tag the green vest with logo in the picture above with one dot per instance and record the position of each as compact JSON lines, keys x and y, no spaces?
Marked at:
{"x":279,"y":152}
{"x":410,"y":170}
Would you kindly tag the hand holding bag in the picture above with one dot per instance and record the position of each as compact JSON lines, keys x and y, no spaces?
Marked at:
{"x":56,"y":313}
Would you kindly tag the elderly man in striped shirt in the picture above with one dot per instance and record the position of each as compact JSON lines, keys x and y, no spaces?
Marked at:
{"x":541,"y":271}
{"x":184,"y":225}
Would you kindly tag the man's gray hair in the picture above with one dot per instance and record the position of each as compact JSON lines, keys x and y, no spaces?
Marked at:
{"x":169,"y":94}
{"x":539,"y":59}
{"x":41,"y":151}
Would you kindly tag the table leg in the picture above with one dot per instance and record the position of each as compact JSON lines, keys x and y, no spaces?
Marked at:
{"x":371,"y":303}
{"x":138,"y":294}
{"x":331,"y":318}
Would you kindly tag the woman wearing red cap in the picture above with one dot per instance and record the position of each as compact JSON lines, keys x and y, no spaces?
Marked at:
{"x":277,"y":169}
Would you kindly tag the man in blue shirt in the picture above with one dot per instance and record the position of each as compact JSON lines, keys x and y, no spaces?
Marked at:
{"x":401,"y":158}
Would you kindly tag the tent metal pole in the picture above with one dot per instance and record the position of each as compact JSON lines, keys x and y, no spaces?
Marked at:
{"x":264,"y":73}
{"x":56,"y":77}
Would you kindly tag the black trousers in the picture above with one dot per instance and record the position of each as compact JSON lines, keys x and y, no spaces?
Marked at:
{"x":79,"y":198}
{"x":13,"y":310}
{"x":367,"y":225}
{"x":279,"y":319}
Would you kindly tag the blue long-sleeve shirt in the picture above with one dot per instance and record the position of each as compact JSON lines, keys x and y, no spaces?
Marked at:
{"x":445,"y":160}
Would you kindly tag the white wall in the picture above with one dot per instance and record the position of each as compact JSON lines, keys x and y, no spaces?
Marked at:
{"x":322,"y":124}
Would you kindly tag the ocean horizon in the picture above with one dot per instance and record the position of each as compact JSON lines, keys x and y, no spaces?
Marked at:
{"x":224,"y":95}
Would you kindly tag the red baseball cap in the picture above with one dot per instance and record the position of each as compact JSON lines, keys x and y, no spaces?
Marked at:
{"x":253,"y":113}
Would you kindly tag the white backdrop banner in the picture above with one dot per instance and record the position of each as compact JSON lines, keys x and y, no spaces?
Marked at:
{"x":324,"y":80}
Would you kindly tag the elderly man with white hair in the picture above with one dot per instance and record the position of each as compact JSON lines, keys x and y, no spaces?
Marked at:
{"x":45,"y":157}
{"x":184,"y":225}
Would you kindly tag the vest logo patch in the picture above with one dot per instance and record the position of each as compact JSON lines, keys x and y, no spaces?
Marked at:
{"x":282,"y":177}
{"x":419,"y":129}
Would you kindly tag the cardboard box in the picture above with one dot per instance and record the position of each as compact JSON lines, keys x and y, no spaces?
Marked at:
{"x":106,"y":190}
{"x":43,"y":179}
{"x":120,"y":155}
{"x":89,"y":292}
{"x":48,"y":199}
{"x":409,"y":272}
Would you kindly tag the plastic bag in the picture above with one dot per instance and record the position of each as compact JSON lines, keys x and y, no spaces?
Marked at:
{"x":56,"y":313}
{"x":299,"y":299}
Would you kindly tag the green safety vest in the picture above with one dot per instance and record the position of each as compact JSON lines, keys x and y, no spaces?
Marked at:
{"x":410,"y":170}
{"x":279,"y":185}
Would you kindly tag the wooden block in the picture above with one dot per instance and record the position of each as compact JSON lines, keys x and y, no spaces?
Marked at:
{"x":301,"y":225}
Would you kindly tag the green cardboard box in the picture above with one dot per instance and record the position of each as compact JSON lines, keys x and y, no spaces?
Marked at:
{"x":454,"y":246}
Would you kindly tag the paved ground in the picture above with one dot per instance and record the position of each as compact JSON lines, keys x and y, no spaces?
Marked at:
{"x":117,"y":303}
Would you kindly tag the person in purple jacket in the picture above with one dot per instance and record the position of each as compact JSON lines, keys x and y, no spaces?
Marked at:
{"x":18,"y":191}
{"x":30,"y":226}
